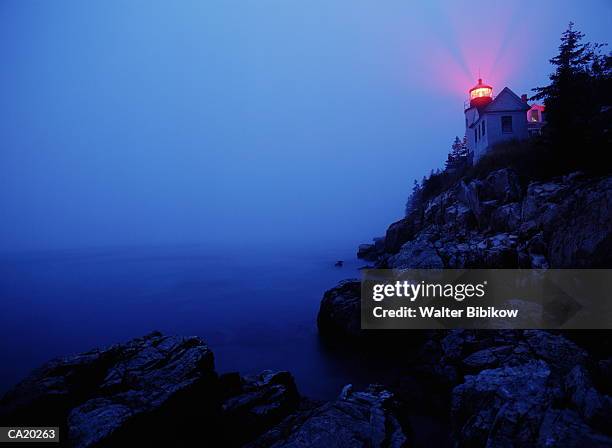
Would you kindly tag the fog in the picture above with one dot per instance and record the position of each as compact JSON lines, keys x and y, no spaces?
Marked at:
{"x":280,"y":122}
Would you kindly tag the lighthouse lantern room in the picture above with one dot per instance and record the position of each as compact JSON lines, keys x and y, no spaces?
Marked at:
{"x":481,"y":94}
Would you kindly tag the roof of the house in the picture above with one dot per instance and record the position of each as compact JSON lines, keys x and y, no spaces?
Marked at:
{"x":506,"y":100}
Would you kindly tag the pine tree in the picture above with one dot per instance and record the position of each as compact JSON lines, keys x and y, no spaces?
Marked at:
{"x":414,"y":199}
{"x":457,"y":157}
{"x":415,"y":188}
{"x":575,"y":98}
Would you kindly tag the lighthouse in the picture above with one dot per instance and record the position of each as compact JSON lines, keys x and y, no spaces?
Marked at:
{"x":490,"y":120}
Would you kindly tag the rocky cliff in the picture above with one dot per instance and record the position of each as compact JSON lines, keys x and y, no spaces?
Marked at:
{"x":500,"y":222}
{"x":500,"y":388}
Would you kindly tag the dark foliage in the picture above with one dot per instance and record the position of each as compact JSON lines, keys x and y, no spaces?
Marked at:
{"x":578,"y":105}
{"x":531,"y":160}
{"x":458,"y":155}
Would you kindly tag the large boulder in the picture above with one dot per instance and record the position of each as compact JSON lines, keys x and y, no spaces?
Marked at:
{"x":339,"y":314}
{"x":399,"y":232}
{"x":109,"y":396}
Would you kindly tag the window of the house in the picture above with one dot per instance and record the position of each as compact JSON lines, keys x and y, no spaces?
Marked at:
{"x":533,"y":115}
{"x":506,"y":124}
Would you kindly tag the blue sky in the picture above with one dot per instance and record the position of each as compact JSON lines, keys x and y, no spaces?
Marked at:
{"x":147,"y":122}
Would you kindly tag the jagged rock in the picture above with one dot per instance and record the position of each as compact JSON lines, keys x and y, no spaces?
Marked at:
{"x":453,"y":344}
{"x":539,"y":207}
{"x":473,"y":351}
{"x":359,"y":419}
{"x":339,"y":313}
{"x":487,"y":358}
{"x":491,"y":223}
{"x":496,"y":251}
{"x":595,"y":408}
{"x":435,"y":209}
{"x":502,"y":407}
{"x":506,"y":218}
{"x":151,"y":376}
{"x":565,"y":222}
{"x":563,"y":428}
{"x":399,"y":232}
{"x":501,"y":185}
{"x":583,"y":235}
{"x":417,"y":254}
{"x":573,"y":217}
{"x":533,"y":253}
{"x":467,"y":194}
{"x":557,"y":351}
{"x":256,"y":402}
{"x":115,"y":396}
{"x":106,"y":396}
{"x":459,"y":218}
{"x":506,"y":383}
{"x":483,"y":197}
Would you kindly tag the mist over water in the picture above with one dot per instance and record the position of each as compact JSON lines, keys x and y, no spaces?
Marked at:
{"x":254,"y":306}
{"x":200,"y":122}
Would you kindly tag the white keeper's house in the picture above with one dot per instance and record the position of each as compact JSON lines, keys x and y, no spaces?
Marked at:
{"x":493,"y":119}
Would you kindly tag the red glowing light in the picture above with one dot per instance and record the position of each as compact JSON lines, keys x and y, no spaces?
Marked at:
{"x":481,"y":94}
{"x":466,"y":45}
{"x":480,"y":90}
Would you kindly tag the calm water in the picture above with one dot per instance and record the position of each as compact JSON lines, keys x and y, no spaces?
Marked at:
{"x":256,"y":308}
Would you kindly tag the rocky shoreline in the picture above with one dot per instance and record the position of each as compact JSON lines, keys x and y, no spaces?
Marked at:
{"x":504,"y":388}
{"x":164,"y":391}
{"x":500,"y":388}
{"x":487,"y":388}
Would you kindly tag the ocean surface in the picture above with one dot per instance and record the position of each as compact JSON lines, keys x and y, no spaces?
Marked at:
{"x":256,"y":307}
